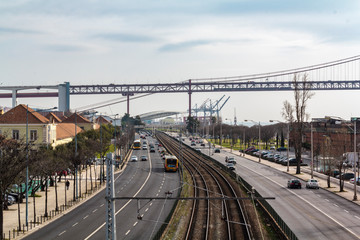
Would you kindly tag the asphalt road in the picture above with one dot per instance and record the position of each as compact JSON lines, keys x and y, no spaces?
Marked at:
{"x":139,"y":179}
{"x":310,"y":214}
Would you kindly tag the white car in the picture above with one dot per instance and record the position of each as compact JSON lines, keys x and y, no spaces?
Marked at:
{"x":312,"y":183}
{"x":134,"y":159}
{"x":352,"y":180}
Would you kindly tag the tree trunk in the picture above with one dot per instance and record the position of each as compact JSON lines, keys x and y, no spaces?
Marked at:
{"x":56,"y":197}
{"x":75,"y":173}
{"x":328,"y":180}
{"x":2,"y":200}
{"x":91,"y":182}
{"x":34,"y":204}
{"x":46,"y":198}
{"x":19,"y":219}
{"x":86,"y":177}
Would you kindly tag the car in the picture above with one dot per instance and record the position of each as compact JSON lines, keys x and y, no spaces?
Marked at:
{"x":352,"y":180}
{"x":294,"y":183}
{"x":144,"y":147}
{"x":217,"y":150}
{"x":272,"y":148}
{"x":281,"y":149}
{"x":230,"y":166}
{"x":198,"y":149}
{"x":249,"y":149}
{"x":152,"y":149}
{"x":228,"y":158}
{"x":10,"y":199}
{"x":134,"y":158}
{"x":346,"y":176}
{"x":312,"y":183}
{"x":202,"y":144}
{"x":143,"y":158}
{"x":193,"y":144}
{"x":232,"y":161}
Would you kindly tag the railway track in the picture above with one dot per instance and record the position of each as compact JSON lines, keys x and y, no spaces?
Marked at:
{"x":217,"y":212}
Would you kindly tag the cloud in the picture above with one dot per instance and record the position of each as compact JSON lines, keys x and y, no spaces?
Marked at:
{"x":66,"y":48}
{"x":121,"y":37}
{"x":183,"y":45}
{"x":17,"y":31}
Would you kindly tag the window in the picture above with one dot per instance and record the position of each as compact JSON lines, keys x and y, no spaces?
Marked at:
{"x":33,"y":135}
{"x":16,"y":134}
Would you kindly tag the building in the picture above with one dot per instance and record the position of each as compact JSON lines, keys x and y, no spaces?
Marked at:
{"x":40,"y":129}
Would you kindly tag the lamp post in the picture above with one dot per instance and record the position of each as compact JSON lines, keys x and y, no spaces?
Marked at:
{"x":27,"y":162}
{"x":259,"y":136}
{"x":288,"y":139}
{"x":355,"y":182}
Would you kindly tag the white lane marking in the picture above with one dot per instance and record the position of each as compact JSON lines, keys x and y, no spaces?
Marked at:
{"x":127,"y":232}
{"x":337,"y":222}
{"x":75,"y":224}
{"x":336,"y":205}
{"x":135,"y":224}
{"x":357,"y":217}
{"x":127,"y":203}
{"x":346,"y":211}
{"x":95,"y":210}
{"x":102,"y":205}
{"x":86,"y":216}
{"x":318,"y":195}
{"x":327,"y":200}
{"x":146,"y":209}
{"x":62,"y":233}
{"x":151,"y":204}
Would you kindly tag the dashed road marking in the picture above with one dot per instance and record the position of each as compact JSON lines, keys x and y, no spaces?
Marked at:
{"x":135,"y":224}
{"x":146,"y":209}
{"x":75,"y":224}
{"x":357,"y":217}
{"x":86,"y":216}
{"x":127,"y":232}
{"x":336,"y":205}
{"x":102,"y":205}
{"x":327,"y":200}
{"x":346,"y":211}
{"x":62,"y":233}
{"x":95,"y":210}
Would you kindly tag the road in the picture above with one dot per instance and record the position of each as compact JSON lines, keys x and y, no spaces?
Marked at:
{"x":310,"y":214}
{"x":139,"y":179}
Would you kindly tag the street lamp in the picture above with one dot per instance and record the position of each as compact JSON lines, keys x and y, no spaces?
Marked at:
{"x":259,"y":136}
{"x":27,"y":160}
{"x":288,"y":139}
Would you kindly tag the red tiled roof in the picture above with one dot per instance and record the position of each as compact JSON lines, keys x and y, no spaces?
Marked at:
{"x":51,"y":115}
{"x":79,"y":119}
{"x":66,"y":130}
{"x":17,"y":115}
{"x":102,"y":120}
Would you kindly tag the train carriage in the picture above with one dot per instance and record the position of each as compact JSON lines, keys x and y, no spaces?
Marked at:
{"x":171,"y":163}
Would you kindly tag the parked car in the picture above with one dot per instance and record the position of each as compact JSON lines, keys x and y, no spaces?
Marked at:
{"x":352,"y":180}
{"x":193,"y":144}
{"x":143,"y":158}
{"x":230,"y":166}
{"x":134,"y":158}
{"x":346,"y":176}
{"x":281,"y":149}
{"x":202,"y":144}
{"x":294,"y":183}
{"x":249,"y":149}
{"x":312,"y":183}
{"x":10,"y":199}
{"x":272,"y":148}
{"x":217,"y":150}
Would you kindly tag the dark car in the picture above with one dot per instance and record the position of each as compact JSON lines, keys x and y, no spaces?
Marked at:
{"x":294,"y":183}
{"x":281,"y":149}
{"x":346,"y":176}
{"x":193,"y":144}
{"x":217,"y":150}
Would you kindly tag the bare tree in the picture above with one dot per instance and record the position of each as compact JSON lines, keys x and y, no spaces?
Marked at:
{"x":296,"y":115}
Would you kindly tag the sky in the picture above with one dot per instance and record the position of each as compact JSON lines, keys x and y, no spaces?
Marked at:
{"x":46,"y":42}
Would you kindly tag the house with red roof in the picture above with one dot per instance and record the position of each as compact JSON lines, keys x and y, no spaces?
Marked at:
{"x":40,"y":129}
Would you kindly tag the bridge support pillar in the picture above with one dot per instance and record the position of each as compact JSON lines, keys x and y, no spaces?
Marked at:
{"x":64,"y":97}
{"x":128,"y":102}
{"x":14,"y":98}
{"x":189,"y":97}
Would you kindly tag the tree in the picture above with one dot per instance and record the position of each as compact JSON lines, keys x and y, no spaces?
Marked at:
{"x":12,"y":162}
{"x":191,"y":124}
{"x":302,"y":95}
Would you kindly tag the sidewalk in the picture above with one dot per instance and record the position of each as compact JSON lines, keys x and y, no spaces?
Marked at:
{"x":306,"y":175}
{"x":11,"y":219}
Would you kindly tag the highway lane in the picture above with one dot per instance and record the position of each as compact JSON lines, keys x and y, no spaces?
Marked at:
{"x":142,"y":178}
{"x":311,"y":214}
